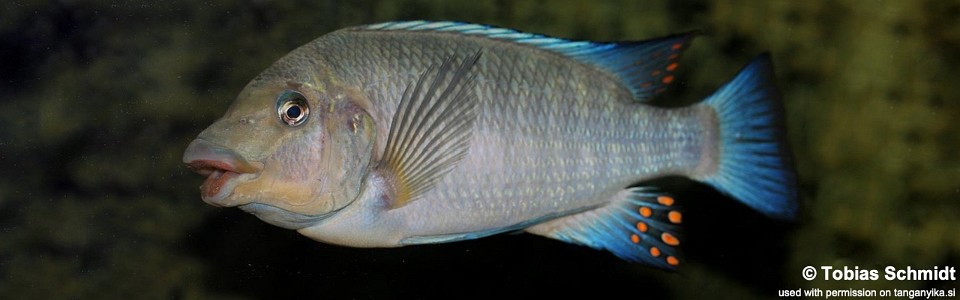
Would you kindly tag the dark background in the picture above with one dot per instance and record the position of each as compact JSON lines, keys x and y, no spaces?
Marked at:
{"x":99,"y":99}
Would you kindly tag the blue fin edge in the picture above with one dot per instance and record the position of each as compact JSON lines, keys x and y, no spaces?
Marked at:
{"x":755,"y":164}
{"x":645,"y":67}
{"x":617,"y":228}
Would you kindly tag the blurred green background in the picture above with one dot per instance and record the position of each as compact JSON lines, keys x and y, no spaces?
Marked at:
{"x":99,"y":99}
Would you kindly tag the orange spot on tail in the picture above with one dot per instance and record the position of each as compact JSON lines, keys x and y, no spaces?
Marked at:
{"x":642,"y":226}
{"x":672,"y":67}
{"x":655,"y":251}
{"x":668,"y":79}
{"x":676,"y":46}
{"x":655,"y":73}
{"x":673,"y":261}
{"x":646,"y":212}
{"x":675,"y":217}
{"x":635,"y":238}
{"x":665,"y":200}
{"x":673,"y":56}
{"x":669,"y":239}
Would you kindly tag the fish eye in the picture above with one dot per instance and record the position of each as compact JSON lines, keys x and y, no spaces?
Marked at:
{"x":292,"y":108}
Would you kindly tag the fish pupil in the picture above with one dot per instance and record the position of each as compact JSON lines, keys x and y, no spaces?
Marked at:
{"x":294,"y":112}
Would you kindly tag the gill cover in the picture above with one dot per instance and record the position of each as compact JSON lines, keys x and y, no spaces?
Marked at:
{"x":345,"y":160}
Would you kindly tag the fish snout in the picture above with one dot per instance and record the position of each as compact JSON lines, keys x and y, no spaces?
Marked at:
{"x":221,"y":166}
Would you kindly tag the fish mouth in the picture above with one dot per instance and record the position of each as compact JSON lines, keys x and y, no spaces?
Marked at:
{"x":222,"y":167}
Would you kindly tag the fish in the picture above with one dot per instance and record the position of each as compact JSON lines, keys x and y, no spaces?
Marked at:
{"x":420,"y":132}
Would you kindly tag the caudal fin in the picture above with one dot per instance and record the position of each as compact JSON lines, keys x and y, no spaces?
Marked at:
{"x":755,"y":163}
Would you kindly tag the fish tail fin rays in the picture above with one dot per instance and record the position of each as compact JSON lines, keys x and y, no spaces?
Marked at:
{"x":639,"y":225}
{"x":754,"y":163}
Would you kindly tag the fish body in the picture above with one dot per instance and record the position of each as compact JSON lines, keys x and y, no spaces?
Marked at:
{"x":419,"y":132}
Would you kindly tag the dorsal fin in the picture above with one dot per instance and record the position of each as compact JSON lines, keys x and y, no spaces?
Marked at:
{"x":431,"y":129}
{"x":645,"y":67}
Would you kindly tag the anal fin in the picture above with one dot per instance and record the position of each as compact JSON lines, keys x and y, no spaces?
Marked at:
{"x":640,"y":225}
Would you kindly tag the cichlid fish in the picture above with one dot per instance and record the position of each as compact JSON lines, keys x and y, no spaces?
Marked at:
{"x":419,"y":132}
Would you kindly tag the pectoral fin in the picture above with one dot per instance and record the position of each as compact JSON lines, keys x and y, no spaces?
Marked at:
{"x":431,"y":129}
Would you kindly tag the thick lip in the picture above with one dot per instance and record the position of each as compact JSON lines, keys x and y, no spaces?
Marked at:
{"x":222,"y":167}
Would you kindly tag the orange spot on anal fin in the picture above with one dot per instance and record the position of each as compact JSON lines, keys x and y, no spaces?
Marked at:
{"x":642,"y":226}
{"x":673,"y":261}
{"x":635,"y":238}
{"x":646,"y":212}
{"x":672,"y":67}
{"x":669,"y":239}
{"x":677,"y":46}
{"x":675,"y":217}
{"x":654,"y":251}
{"x":668,"y":79}
{"x":665,"y":200}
